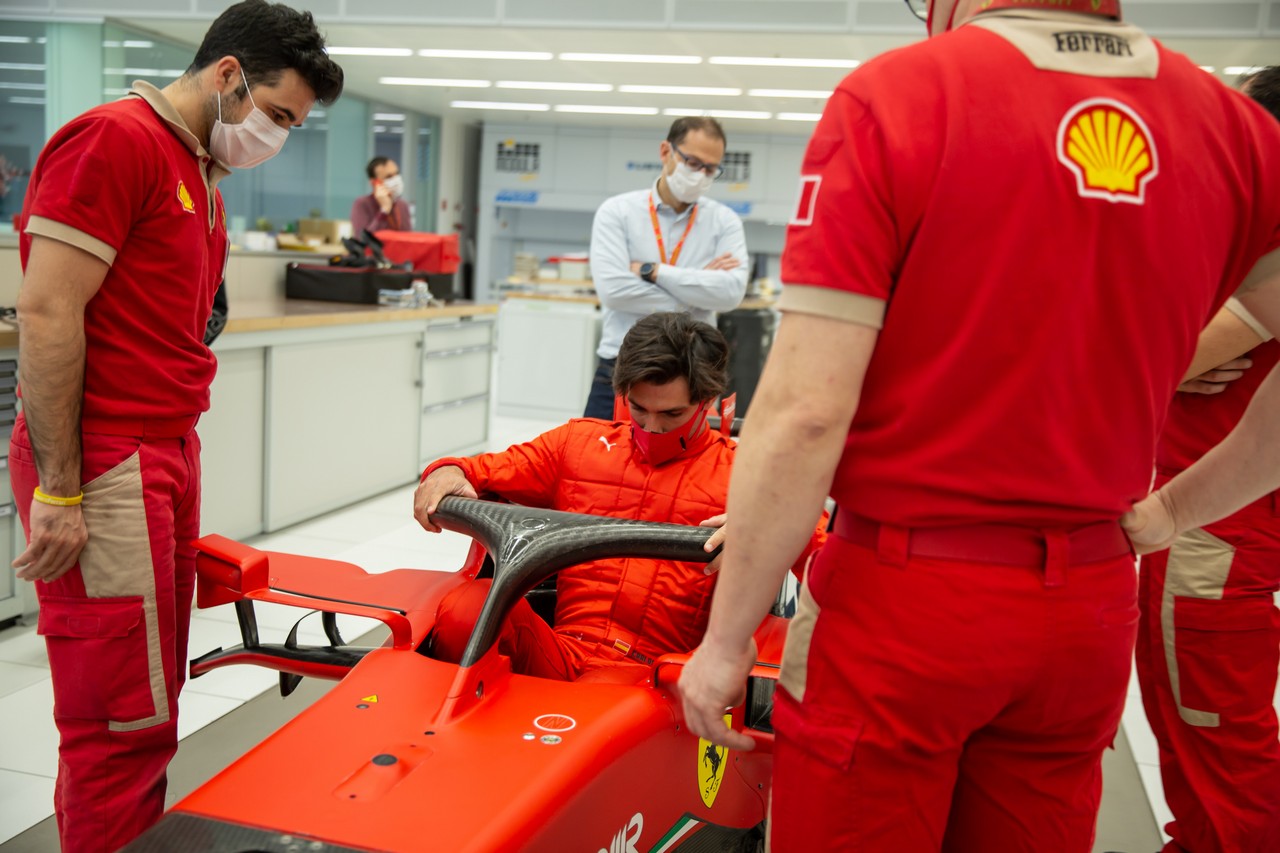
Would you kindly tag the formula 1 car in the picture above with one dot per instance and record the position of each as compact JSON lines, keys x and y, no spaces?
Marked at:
{"x":411,"y":753}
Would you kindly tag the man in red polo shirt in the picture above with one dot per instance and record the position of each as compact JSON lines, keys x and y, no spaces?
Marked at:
{"x":1209,"y":638}
{"x":123,"y":245}
{"x":1007,"y":240}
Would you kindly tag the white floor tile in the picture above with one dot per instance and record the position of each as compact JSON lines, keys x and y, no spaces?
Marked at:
{"x":197,"y":710}
{"x":274,"y":622}
{"x":23,"y":645}
{"x":1151,"y":781}
{"x":25,"y":800}
{"x":354,"y":524}
{"x":28,"y":738}
{"x":15,"y":676}
{"x":1141,"y":739}
{"x":397,"y":503}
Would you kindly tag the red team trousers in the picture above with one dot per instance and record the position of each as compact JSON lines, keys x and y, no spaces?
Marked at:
{"x":938,"y":704}
{"x":1208,"y":651}
{"x":116,"y":626}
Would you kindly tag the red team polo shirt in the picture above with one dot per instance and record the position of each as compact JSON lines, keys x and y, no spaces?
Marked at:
{"x":1197,"y":422}
{"x":126,"y":181}
{"x":1043,"y":211}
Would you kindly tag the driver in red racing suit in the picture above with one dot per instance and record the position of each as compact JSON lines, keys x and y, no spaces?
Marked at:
{"x":664,"y":465}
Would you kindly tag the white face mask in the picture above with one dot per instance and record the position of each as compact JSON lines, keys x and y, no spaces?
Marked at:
{"x":255,"y":140}
{"x":686,"y":184}
{"x":394,"y":185}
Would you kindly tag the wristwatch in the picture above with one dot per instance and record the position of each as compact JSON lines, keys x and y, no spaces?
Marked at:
{"x":649,"y":272}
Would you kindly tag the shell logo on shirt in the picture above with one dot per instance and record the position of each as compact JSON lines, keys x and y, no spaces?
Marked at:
{"x":185,"y":197}
{"x":1110,"y":149}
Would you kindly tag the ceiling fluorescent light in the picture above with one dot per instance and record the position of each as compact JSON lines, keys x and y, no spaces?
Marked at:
{"x":604,"y":110}
{"x":751,"y":114}
{"x":1208,"y":68}
{"x":138,"y":43}
{"x":641,"y":58}
{"x":784,"y":62}
{"x":368,"y":51}
{"x":789,"y":93}
{"x":22,"y":99}
{"x":30,"y":87}
{"x":1236,"y":70}
{"x":435,"y":81}
{"x":20,"y":66}
{"x":388,"y":116}
{"x":680,"y":90}
{"x":554,"y":87}
{"x":15,"y":39}
{"x":435,"y":53}
{"x":499,"y":105}
{"x":798,"y":116}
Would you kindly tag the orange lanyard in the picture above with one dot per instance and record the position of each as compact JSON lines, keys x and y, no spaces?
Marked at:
{"x":657,"y":233}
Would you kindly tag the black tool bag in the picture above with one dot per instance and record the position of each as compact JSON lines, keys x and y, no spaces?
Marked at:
{"x":342,"y":284}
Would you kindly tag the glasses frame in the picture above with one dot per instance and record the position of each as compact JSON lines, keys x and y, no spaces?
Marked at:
{"x":715,"y":171}
{"x":919,"y":8}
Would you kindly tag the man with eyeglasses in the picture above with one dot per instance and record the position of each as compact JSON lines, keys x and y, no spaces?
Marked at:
{"x":1007,"y":240}
{"x":666,"y":248}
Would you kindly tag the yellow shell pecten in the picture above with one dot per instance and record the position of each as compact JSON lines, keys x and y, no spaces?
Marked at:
{"x":184,"y":197}
{"x":1111,"y":149}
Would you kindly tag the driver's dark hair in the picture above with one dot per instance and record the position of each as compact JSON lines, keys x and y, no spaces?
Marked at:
{"x":663,"y":347}
{"x":681,"y":127}
{"x":268,"y":38}
{"x":1263,"y":86}
{"x":372,"y":169}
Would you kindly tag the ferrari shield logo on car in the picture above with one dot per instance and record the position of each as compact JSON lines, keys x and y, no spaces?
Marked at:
{"x":711,"y":763}
{"x":1109,"y":148}
{"x":185,"y":197}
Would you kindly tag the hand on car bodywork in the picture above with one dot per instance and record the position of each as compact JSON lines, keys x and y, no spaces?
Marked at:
{"x":439,"y":484}
{"x":1215,"y":381}
{"x":715,"y":541}
{"x":58,"y":535}
{"x":713,"y":681}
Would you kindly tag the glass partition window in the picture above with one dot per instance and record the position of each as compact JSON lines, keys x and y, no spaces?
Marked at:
{"x":22,"y":106}
{"x":128,"y":56}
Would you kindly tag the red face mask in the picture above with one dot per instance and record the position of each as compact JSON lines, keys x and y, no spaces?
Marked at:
{"x":660,"y":447}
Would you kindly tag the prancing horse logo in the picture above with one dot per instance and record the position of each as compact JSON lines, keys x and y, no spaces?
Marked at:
{"x":607,"y":445}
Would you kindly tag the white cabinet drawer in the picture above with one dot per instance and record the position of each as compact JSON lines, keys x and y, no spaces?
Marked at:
{"x":458,"y":335}
{"x":449,"y":427}
{"x":456,"y":374}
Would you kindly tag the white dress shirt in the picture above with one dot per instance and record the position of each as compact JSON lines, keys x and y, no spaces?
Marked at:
{"x":623,"y":233}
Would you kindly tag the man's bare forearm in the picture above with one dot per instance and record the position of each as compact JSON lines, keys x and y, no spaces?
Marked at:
{"x":51,"y":351}
{"x":1243,"y":468}
{"x":791,"y":443}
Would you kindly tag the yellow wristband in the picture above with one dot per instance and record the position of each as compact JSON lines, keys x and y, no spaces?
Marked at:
{"x":51,"y":500}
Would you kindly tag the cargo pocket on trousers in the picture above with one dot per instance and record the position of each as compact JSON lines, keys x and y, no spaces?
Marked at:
{"x":98,"y":649}
{"x":1226,"y":652}
{"x":829,"y":737}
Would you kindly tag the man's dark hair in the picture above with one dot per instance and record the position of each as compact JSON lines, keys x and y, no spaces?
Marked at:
{"x":1264,"y":87}
{"x":663,"y":347}
{"x":372,"y":169}
{"x":268,"y":38}
{"x":681,"y":127}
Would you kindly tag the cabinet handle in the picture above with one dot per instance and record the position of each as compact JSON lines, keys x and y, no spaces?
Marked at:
{"x":466,"y":321}
{"x":451,"y":353}
{"x":453,"y":404}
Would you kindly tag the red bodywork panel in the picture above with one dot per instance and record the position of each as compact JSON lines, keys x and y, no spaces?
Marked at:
{"x":408,"y":753}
